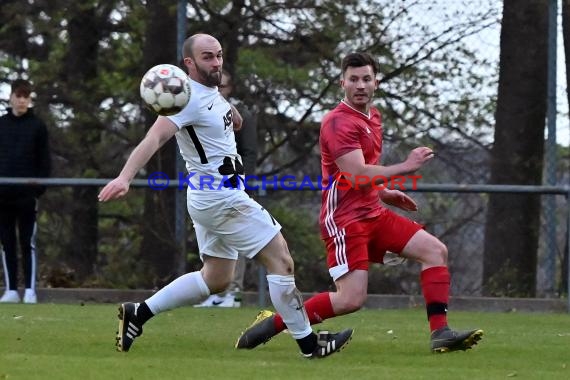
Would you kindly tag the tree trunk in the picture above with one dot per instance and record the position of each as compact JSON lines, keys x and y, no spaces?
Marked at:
{"x":513,"y":221}
{"x":80,"y":71}
{"x":159,"y":249}
{"x":566,"y":37}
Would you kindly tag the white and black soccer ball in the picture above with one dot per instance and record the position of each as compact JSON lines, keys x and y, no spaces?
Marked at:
{"x":165,"y":89}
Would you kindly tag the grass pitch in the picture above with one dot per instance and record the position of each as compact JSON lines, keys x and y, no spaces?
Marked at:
{"x":48,"y":341}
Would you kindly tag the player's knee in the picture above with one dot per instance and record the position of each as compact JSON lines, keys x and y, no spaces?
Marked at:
{"x":216,"y":281}
{"x":281,"y":261}
{"x":284,"y":264}
{"x":354,"y":304}
{"x":218,"y":285}
{"x":438,"y":254}
{"x":351,"y":302}
{"x":442,"y":253}
{"x":288,"y":264}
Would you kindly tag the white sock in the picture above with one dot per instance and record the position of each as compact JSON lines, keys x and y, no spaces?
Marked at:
{"x":187,"y":289}
{"x":289,"y":304}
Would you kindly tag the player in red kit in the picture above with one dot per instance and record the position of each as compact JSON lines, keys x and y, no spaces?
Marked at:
{"x":357,"y":228}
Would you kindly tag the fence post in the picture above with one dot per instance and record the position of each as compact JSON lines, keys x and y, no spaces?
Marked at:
{"x":568,"y":250}
{"x":551,"y":147}
{"x":180,"y":194}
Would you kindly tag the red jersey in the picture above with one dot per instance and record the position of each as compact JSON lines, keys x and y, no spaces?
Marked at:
{"x":343,"y":130}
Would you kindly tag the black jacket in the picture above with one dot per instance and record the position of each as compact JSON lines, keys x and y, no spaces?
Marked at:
{"x":24,"y":152}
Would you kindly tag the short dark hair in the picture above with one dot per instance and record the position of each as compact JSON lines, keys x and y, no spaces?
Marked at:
{"x":21,"y":87}
{"x":359,"y":59}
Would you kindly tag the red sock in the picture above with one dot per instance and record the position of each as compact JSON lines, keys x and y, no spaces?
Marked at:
{"x":318,"y":307}
{"x":435,"y":286}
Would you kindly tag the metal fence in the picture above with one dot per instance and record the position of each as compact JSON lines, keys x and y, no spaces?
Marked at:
{"x":465,"y":242}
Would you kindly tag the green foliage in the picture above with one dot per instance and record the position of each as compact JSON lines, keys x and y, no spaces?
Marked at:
{"x":119,"y":263}
{"x":262,"y":62}
{"x":509,"y":281}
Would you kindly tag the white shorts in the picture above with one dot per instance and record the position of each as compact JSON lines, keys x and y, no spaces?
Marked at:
{"x":231,"y":226}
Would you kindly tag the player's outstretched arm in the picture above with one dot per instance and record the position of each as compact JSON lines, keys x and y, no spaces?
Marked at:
{"x":161,"y":131}
{"x":360,"y":174}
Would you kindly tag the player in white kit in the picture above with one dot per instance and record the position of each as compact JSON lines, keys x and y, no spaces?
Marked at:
{"x":227,"y":221}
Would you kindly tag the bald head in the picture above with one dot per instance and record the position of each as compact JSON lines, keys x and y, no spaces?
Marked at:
{"x":196,"y":41}
{"x":203,"y":58}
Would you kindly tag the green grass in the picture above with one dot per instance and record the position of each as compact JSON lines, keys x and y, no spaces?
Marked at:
{"x":49,"y":341}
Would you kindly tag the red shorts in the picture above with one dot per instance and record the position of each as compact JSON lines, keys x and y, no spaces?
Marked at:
{"x":367,"y":241}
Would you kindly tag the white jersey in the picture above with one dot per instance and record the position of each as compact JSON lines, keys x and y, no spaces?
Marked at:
{"x":207,"y":143}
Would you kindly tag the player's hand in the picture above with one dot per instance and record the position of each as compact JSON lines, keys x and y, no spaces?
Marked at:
{"x":237,"y":119}
{"x":398,"y":199}
{"x":114,"y":189}
{"x":418,"y":157}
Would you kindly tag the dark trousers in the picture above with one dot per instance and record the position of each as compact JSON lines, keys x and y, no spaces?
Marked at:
{"x":18,"y":215}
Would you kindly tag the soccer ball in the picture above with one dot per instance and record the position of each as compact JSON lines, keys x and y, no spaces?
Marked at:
{"x":165,"y":89}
